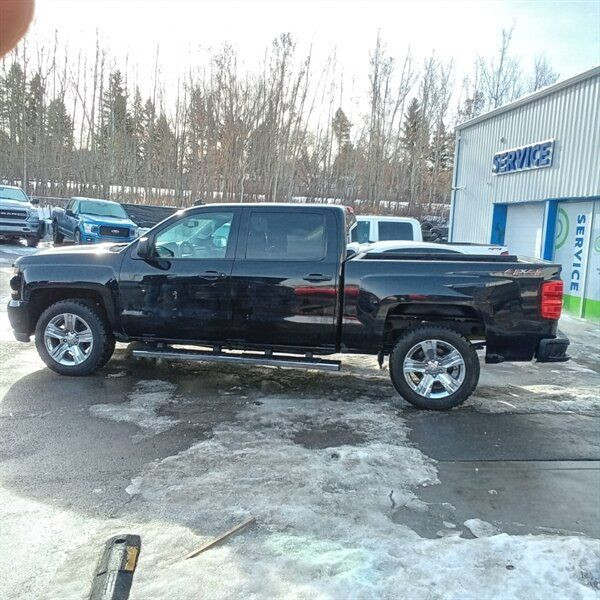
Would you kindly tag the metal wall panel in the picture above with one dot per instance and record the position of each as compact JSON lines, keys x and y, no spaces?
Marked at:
{"x":569,"y":115}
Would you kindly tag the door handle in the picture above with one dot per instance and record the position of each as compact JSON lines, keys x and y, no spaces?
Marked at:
{"x":212,"y":275}
{"x":317,"y":277}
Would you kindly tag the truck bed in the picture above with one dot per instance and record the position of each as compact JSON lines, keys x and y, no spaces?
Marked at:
{"x":492,"y":298}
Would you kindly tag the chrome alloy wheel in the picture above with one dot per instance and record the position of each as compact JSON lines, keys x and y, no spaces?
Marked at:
{"x":434,"y":369}
{"x":68,"y":339}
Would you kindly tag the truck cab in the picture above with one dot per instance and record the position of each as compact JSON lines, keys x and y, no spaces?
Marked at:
{"x":370,"y":228}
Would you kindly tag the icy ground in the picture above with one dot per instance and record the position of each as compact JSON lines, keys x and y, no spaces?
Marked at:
{"x":322,"y":462}
{"x":323,"y":521}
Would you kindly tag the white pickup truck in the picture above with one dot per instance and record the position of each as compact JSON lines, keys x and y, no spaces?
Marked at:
{"x":370,"y":228}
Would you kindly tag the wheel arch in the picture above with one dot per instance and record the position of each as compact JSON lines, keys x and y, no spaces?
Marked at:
{"x":40,"y":298}
{"x":400,"y":317}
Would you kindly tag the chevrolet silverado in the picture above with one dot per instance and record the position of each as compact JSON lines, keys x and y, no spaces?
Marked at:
{"x":275,"y":284}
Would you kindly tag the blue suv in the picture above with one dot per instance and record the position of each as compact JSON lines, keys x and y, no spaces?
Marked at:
{"x":90,"y":221}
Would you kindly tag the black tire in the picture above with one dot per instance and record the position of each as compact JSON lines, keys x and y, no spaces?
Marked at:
{"x":32,"y":242}
{"x":108,"y":352}
{"x":57,"y":237}
{"x":77,"y":237}
{"x":447,"y":336}
{"x":103,"y":339}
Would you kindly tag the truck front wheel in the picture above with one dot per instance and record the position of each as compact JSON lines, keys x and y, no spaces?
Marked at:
{"x":57,"y":237}
{"x":434,"y":367}
{"x":73,"y":338}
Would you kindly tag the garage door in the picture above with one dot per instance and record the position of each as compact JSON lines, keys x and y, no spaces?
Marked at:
{"x":524,"y":227}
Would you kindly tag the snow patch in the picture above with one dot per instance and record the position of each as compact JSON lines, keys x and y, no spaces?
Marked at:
{"x":540,"y":398}
{"x":481,"y":528}
{"x":324,"y":527}
{"x":142,"y":408}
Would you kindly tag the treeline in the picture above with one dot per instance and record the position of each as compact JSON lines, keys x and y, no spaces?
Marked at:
{"x":77,"y":125}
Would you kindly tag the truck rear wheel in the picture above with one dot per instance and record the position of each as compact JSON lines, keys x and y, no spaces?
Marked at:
{"x":73,"y":338}
{"x":434,"y":367}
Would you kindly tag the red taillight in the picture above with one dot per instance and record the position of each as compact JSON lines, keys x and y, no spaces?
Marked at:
{"x":551,"y":299}
{"x":504,"y":253}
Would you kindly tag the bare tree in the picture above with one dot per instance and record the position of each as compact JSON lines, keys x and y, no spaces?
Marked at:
{"x":501,"y":76}
{"x":543,"y":74}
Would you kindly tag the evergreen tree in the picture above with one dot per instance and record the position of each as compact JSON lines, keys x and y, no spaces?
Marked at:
{"x":59,"y":140}
{"x":411,"y":127}
{"x":341,"y":128}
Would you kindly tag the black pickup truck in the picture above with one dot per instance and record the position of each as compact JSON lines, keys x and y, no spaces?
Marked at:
{"x":274,"y":284}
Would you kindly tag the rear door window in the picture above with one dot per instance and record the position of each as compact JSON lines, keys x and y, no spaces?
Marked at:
{"x":395,"y":230}
{"x":286,"y":235}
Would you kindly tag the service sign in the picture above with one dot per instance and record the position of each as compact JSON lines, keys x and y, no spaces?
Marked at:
{"x":532,"y":156}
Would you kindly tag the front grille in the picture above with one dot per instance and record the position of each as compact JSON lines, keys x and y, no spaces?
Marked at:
{"x":23,"y":226}
{"x":13,"y":214}
{"x":114,"y":231}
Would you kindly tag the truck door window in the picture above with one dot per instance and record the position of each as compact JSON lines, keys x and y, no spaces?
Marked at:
{"x":197,"y":236}
{"x":361,"y":232}
{"x":286,"y":235}
{"x":395,"y":230}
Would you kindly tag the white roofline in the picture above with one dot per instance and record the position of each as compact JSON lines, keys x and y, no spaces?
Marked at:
{"x":551,"y":89}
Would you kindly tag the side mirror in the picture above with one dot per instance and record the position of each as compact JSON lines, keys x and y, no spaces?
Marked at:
{"x":144,"y":249}
{"x":34,"y":200}
{"x":69,"y":213}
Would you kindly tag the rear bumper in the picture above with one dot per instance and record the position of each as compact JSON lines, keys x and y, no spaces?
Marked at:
{"x":18,"y":315}
{"x":553,"y":350}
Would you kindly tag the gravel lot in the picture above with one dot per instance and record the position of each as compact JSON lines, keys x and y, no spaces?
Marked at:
{"x":356,"y":494}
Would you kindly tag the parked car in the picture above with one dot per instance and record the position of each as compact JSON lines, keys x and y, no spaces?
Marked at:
{"x":19,"y":218}
{"x":273,"y":281}
{"x":91,"y":220}
{"x":428,"y":248}
{"x":375,"y":229}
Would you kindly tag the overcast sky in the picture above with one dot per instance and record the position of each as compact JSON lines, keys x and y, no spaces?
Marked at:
{"x":567,"y":32}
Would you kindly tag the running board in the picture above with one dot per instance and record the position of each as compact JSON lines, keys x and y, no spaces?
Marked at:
{"x":294,"y":362}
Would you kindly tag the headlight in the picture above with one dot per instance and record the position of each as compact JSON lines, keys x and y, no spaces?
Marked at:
{"x":33,"y":216}
{"x":15,"y":270}
{"x":135,"y":232}
{"x":89,"y":228}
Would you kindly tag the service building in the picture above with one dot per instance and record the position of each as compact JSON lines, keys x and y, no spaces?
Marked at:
{"x":527,"y":175}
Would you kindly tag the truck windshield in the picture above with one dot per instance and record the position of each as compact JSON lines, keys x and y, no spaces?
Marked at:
{"x":102,"y":209}
{"x":7,"y":193}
